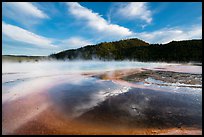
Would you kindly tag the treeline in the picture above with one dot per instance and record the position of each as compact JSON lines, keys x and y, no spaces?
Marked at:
{"x":135,"y":49}
{"x":22,"y":58}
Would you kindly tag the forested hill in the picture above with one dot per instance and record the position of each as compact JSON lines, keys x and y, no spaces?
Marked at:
{"x":135,"y":49}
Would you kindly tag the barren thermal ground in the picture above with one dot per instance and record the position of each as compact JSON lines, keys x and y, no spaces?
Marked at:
{"x":101,"y":98}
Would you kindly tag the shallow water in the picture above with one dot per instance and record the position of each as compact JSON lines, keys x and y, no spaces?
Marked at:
{"x":84,"y":98}
{"x":77,"y":98}
{"x":149,"y":108}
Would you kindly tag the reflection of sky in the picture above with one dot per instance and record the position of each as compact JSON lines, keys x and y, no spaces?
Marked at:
{"x":169,"y":108}
{"x":74,"y":91}
{"x":77,"y":98}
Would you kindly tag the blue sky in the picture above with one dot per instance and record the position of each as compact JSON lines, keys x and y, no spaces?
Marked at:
{"x":42,"y":28}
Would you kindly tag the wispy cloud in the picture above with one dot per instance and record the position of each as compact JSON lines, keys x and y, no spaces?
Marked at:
{"x":74,"y":42}
{"x":135,"y":10}
{"x":166,"y":35}
{"x":22,"y":35}
{"x":96,"y":21}
{"x":16,"y":33}
{"x":23,"y":12}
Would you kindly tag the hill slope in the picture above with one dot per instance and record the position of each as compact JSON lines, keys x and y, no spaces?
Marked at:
{"x":135,"y":49}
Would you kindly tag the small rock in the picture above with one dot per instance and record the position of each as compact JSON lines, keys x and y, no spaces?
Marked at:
{"x":179,"y":125}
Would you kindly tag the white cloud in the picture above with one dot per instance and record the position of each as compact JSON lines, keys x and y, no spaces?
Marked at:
{"x":97,"y":22}
{"x":75,"y":42}
{"x":23,"y":12}
{"x":26,"y":8}
{"x":135,"y":10}
{"x":22,"y":35}
{"x":169,"y":34}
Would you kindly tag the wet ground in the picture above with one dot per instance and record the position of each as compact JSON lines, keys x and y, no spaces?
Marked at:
{"x":167,"y":76}
{"x":129,"y":101}
{"x":141,"y":108}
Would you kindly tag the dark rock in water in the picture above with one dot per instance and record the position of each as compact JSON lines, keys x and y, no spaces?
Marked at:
{"x":179,"y":124}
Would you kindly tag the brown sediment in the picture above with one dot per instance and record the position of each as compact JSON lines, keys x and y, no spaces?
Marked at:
{"x":18,"y":112}
{"x":51,"y":122}
{"x":168,"y":74}
{"x":182,"y":131}
{"x":115,"y":74}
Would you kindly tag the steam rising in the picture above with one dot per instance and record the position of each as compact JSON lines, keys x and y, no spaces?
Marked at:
{"x":51,"y":67}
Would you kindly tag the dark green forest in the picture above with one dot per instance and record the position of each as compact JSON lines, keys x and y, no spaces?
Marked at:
{"x":135,"y":49}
